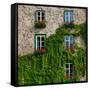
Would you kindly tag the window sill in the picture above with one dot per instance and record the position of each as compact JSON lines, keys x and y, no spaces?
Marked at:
{"x":40,"y":51}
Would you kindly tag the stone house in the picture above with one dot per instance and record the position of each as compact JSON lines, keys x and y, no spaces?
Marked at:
{"x":35,"y":23}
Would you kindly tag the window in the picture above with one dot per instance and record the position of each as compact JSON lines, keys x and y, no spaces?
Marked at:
{"x":69,"y":42}
{"x":40,"y":15}
{"x":40,"y":42}
{"x":69,"y":70}
{"x":68,"y":17}
{"x":40,"y":19}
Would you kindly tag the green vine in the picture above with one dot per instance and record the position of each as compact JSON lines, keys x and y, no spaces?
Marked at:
{"x":49,"y":67}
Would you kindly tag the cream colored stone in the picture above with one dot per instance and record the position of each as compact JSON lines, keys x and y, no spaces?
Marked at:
{"x":79,"y":41}
{"x":54,"y":18}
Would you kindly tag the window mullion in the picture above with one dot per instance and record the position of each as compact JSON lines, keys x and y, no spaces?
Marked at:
{"x":37,"y":16}
{"x":69,"y":42}
{"x":65,"y":43}
{"x":40,"y":41}
{"x":40,"y":16}
{"x":69,"y":70}
{"x":69,"y":17}
{"x":36,"y":42}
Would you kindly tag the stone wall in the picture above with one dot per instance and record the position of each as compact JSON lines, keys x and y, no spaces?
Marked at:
{"x":54,"y":17}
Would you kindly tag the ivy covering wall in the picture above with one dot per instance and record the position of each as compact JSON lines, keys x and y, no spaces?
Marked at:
{"x":49,"y":67}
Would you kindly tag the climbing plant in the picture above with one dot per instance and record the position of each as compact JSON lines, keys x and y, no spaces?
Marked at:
{"x":49,"y":67}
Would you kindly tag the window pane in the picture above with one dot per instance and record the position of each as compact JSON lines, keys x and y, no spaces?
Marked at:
{"x":42,"y":39}
{"x":71,"y":37}
{"x":67,"y":66}
{"x":38,"y":38}
{"x":38,"y":44}
{"x":68,"y":16}
{"x":71,"y":70}
{"x":42,"y":44}
{"x":66,"y":13}
{"x":67,"y":43}
{"x":71,"y":41}
{"x":38,"y":13}
{"x":66,"y":37}
{"x":66,"y":19}
{"x":71,"y":46}
{"x":71,"y":16}
{"x":43,"y":14}
{"x":38,"y":18}
{"x":38,"y":48}
{"x":71,"y":66}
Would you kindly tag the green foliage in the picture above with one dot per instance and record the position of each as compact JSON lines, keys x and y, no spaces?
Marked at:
{"x":83,"y":32}
{"x":49,"y":67}
{"x":69,"y":25}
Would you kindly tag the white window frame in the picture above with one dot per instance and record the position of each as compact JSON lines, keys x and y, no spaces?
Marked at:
{"x":68,"y":39}
{"x":40,"y":11}
{"x":40,"y":41}
{"x":69,"y":15}
{"x":69,"y":74}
